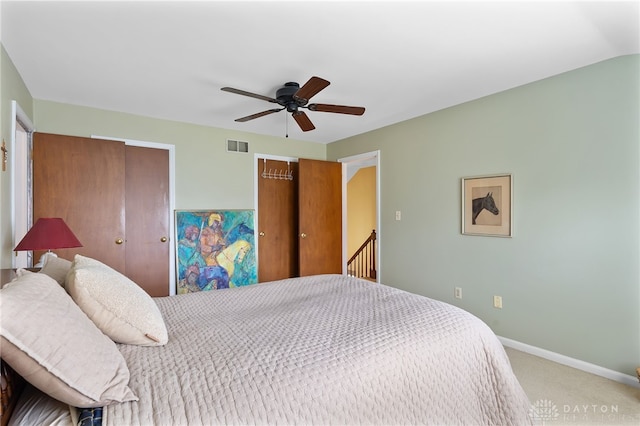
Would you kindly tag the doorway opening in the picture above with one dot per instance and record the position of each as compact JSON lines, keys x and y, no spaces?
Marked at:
{"x":361,"y":211}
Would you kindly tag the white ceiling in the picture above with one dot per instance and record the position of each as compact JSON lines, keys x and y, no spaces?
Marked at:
{"x":398,"y":59}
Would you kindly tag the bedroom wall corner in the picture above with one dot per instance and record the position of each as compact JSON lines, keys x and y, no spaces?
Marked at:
{"x":570,"y":275}
{"x":12,"y":87}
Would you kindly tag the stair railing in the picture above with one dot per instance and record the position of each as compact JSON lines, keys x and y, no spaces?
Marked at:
{"x":363,"y":263}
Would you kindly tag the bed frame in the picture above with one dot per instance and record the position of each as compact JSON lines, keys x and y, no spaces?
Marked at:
{"x":11,"y":385}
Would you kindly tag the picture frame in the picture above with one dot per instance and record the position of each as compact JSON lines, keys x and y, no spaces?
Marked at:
{"x":215,"y":249}
{"x":487,"y":205}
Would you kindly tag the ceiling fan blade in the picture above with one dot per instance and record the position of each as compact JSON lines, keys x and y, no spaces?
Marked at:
{"x":310,"y":88}
{"x":251,"y":95}
{"x":258,"y":115}
{"x":340,"y":109}
{"x":303,"y":121}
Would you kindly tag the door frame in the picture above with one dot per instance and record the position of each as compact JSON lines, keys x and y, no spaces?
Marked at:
{"x":21,"y":191}
{"x":349,"y":166}
{"x":172,"y":197}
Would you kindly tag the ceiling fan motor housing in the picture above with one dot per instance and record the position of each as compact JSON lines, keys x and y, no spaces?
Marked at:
{"x":284,"y":96}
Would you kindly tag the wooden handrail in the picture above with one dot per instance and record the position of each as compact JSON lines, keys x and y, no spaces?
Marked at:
{"x":363,"y":262}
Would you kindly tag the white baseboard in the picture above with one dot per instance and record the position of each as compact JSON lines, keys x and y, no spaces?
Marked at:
{"x":571,"y":362}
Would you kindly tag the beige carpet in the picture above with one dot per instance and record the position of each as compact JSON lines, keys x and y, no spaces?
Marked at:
{"x":562,"y":395}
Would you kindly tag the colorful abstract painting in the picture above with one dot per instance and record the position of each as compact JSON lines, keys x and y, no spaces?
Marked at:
{"x":215,"y":249}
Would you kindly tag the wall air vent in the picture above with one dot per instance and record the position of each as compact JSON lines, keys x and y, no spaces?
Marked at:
{"x":237,"y":146}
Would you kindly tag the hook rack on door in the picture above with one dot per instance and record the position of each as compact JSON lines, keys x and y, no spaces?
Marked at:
{"x":276,"y":174}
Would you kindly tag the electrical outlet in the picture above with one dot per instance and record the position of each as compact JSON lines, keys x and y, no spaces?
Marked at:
{"x":497,"y":302}
{"x":458,"y":292}
{"x":398,"y":215}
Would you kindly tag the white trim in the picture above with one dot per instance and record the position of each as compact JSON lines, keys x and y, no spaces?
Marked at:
{"x":274,"y":157}
{"x":21,"y":116}
{"x":17,"y":115}
{"x":344,"y":182}
{"x":571,"y":362}
{"x":346,"y":161}
{"x":172,"y":198}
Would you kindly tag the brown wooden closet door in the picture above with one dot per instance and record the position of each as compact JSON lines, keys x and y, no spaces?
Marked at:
{"x":320,"y":217}
{"x":82,"y":181}
{"x":147,"y":218}
{"x":277,"y":223}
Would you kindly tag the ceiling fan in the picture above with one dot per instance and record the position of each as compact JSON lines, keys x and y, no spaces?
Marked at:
{"x":292,"y":97}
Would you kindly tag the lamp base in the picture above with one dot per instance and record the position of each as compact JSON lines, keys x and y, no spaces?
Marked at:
{"x":44,"y":258}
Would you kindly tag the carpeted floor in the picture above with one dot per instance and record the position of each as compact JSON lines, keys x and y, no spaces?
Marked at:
{"x":562,"y":395}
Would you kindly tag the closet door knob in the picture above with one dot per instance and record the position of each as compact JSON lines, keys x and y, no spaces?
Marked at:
{"x":119,"y":241}
{"x":303,"y":235}
{"x":261,"y":234}
{"x":163,"y":239}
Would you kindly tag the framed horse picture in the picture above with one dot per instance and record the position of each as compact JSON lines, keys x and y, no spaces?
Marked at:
{"x":487,"y":205}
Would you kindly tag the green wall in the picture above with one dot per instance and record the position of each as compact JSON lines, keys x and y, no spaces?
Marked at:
{"x":569,"y":276}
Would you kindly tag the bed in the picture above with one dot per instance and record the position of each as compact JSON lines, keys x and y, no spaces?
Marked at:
{"x":325,"y":349}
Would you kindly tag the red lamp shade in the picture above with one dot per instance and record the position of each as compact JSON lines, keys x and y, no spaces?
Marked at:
{"x":48,"y":233}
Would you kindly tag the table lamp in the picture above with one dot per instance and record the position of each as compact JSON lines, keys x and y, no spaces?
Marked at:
{"x":48,"y":233}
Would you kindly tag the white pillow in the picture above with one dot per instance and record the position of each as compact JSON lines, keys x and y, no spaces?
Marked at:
{"x":57,"y":268}
{"x":117,"y":305}
{"x":50,"y":342}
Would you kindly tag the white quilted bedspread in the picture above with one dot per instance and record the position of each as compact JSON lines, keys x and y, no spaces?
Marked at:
{"x":320,"y":350}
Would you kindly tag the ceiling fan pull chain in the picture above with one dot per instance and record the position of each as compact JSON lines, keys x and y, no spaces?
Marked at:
{"x":286,"y":125}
